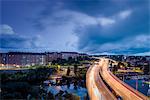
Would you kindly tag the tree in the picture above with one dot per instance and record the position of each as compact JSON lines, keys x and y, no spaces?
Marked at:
{"x":71,"y":60}
{"x":121,"y":65}
{"x":68,"y":71}
{"x":146,"y":69}
{"x":75,"y":69}
{"x":114,"y":69}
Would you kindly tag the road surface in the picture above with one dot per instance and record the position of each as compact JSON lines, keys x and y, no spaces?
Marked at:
{"x":98,"y":90}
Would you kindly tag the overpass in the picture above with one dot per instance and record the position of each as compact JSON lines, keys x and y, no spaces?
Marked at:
{"x":103,"y":85}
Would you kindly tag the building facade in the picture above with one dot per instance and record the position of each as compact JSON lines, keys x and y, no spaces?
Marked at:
{"x":28,"y":58}
{"x":50,"y":56}
{"x":22,"y":59}
{"x":66,"y":55}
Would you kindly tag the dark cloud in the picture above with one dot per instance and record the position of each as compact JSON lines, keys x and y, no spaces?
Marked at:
{"x":16,"y":42}
{"x":132,"y":51}
{"x":93,"y":37}
{"x":92,"y":26}
{"x":97,"y":7}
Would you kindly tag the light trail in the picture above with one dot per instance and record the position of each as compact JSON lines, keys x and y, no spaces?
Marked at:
{"x":96,"y":88}
{"x":99,"y":91}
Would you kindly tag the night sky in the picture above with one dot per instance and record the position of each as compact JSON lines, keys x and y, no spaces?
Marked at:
{"x":89,"y":26}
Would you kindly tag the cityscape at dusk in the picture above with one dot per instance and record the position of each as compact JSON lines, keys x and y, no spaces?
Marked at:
{"x":74,"y":49}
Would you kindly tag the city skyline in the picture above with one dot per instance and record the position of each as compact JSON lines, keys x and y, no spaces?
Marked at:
{"x":93,"y":27}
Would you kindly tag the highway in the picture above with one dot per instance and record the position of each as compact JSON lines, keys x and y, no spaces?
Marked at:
{"x":98,"y":89}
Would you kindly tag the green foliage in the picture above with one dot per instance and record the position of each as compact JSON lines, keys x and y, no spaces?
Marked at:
{"x":146,"y":69}
{"x":40,"y":73}
{"x":115,"y":69}
{"x":70,"y":61}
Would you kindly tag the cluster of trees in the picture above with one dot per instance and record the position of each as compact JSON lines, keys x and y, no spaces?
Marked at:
{"x":120,"y":65}
{"x":29,"y":76}
{"x":19,"y":84}
{"x":115,"y":68}
{"x":146,"y":69}
{"x":70,"y":61}
{"x":75,"y":70}
{"x":78,"y":72}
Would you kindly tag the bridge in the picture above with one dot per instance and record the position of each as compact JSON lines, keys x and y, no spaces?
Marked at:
{"x":103,"y":85}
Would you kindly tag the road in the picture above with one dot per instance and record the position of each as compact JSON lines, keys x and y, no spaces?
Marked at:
{"x":95,"y":83}
{"x":97,"y":90}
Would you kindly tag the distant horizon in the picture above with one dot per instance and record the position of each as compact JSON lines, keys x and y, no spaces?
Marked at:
{"x":104,"y":53}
